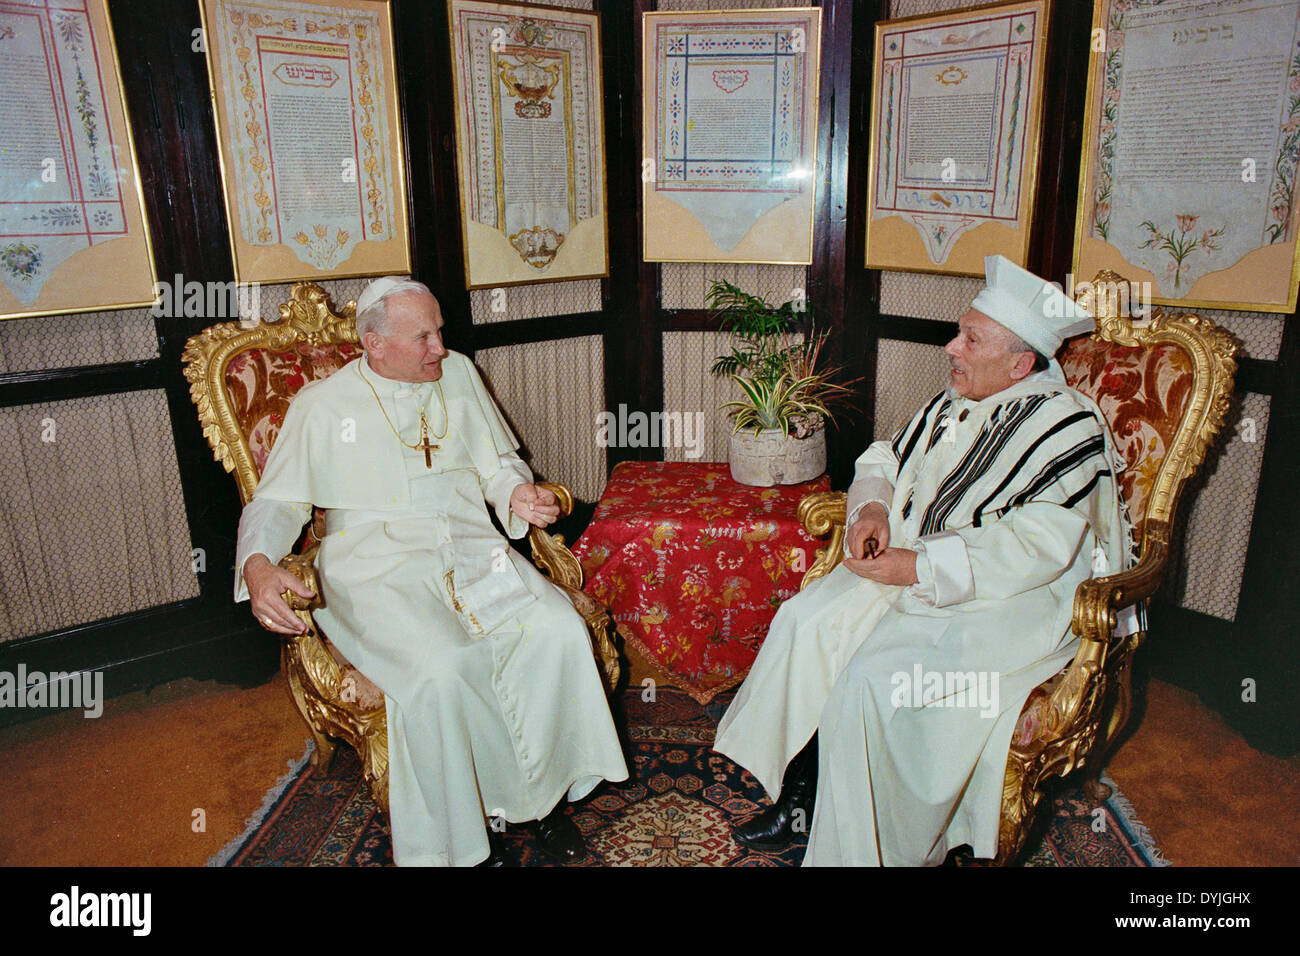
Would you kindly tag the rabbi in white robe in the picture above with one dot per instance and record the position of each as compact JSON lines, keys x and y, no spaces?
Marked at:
{"x":983,"y":514}
{"x":495,"y":707}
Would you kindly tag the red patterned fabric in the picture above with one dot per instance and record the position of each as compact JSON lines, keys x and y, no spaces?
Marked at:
{"x":261,"y":384}
{"x":693,"y":566}
{"x":1143,"y":394}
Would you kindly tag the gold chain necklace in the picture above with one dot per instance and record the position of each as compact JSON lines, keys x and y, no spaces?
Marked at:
{"x":424,"y":444}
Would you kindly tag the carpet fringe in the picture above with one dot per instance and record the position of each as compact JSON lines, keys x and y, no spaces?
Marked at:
{"x":254,"y":823}
{"x":1142,"y":837}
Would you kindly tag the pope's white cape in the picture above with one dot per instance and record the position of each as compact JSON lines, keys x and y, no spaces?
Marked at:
{"x":494,"y":704}
{"x":375,"y":478}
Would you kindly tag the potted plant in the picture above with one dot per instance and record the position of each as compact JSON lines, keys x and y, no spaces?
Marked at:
{"x":778,"y":434}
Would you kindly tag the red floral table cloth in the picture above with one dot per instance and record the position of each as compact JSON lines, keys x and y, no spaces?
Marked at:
{"x":693,"y":566}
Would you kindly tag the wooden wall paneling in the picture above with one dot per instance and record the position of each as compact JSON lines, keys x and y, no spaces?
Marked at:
{"x":166,"y":84}
{"x":1261,"y":646}
{"x":1051,"y":237}
{"x":422,"y":32}
{"x":634,"y":367}
{"x":845,"y":297}
{"x":166,"y":87}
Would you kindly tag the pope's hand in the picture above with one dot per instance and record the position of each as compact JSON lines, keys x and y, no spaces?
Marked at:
{"x":535,"y":505}
{"x":266,"y":586}
{"x":891,"y":566}
{"x":873,"y":522}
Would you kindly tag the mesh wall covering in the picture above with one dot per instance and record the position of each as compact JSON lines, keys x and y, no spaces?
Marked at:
{"x":552,"y":392}
{"x":1207,"y":577}
{"x":92,"y":522}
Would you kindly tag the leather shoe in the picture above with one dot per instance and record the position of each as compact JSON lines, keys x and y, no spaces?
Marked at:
{"x":774,"y":828}
{"x":559,"y":838}
{"x":496,"y":851}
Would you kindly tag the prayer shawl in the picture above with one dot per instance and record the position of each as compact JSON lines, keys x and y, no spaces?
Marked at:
{"x":915,"y":691}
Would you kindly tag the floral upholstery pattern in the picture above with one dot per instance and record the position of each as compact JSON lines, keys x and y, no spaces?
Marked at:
{"x":261,"y":383}
{"x":1142,"y":393}
{"x":693,"y":566}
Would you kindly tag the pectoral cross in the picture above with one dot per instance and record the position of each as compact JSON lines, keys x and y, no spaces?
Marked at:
{"x":425,"y":445}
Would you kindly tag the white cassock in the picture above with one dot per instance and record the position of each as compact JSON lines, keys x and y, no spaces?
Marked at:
{"x":495,"y":706}
{"x":915,"y":691}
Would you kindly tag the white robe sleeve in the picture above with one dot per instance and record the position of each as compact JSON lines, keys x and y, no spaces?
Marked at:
{"x":270,"y":527}
{"x":1024,"y":549}
{"x":511,"y":472}
{"x":874,"y":474}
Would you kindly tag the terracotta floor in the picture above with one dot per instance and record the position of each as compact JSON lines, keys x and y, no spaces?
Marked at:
{"x":169,"y":776}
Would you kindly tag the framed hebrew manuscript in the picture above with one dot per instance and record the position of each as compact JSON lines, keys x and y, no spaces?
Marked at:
{"x":530,"y":142}
{"x":73,"y":235}
{"x":729,"y":133}
{"x":956,"y":124}
{"x":305,"y":98}
{"x":1190,"y":148}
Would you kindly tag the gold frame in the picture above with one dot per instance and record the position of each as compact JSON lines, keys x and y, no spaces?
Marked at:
{"x":94,"y":282}
{"x":1089,"y":701}
{"x":465,"y":150}
{"x":1031,"y":153}
{"x":318,"y":676}
{"x":295,"y":269}
{"x":650,"y":222}
{"x":1086,"y":185}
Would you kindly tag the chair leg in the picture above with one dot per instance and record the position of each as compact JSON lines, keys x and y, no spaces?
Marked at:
{"x":322,"y":757}
{"x":1097,"y":791}
{"x":1115,"y":723}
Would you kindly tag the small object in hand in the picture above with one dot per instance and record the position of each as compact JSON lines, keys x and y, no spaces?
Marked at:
{"x":267,"y":621}
{"x":871,"y":547}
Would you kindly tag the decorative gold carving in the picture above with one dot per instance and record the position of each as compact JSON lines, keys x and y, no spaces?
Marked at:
{"x":549,"y":551}
{"x":305,"y":318}
{"x":822,"y":512}
{"x":318,"y":682}
{"x":1089,"y":702}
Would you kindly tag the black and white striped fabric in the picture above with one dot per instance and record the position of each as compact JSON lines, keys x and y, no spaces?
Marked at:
{"x":1044,"y":446}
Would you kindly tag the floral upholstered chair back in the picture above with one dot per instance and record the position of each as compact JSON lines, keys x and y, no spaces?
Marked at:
{"x":1164,"y":385}
{"x":262,"y":381}
{"x":242,"y":378}
{"x":1143,"y":394}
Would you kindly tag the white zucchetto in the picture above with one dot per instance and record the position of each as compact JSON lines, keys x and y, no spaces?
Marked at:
{"x":382,"y":287}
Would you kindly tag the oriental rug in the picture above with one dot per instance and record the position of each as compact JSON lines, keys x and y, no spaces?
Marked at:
{"x":676,"y":810}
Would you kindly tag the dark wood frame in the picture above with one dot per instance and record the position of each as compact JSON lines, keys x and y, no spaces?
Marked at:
{"x":166,"y":87}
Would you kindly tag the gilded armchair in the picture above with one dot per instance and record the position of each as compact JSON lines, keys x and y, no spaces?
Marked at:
{"x":242,"y":378}
{"x":1164,"y":386}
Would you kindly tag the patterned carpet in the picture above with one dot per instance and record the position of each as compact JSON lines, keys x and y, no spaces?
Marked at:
{"x":677,"y":810}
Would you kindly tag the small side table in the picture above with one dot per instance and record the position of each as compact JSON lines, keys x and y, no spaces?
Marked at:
{"x":693,"y":566}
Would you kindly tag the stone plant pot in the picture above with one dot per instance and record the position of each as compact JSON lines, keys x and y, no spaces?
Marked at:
{"x":774,"y":458}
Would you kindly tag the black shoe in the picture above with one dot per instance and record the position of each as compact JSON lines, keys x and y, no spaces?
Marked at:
{"x":496,"y":850}
{"x":775,"y":827}
{"x":559,"y":838}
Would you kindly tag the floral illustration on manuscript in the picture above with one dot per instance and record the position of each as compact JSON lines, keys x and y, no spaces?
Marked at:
{"x":1181,"y":242}
{"x":21,"y":260}
{"x":321,"y":250}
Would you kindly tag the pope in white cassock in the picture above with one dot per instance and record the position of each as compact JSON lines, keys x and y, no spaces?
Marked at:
{"x":967,"y":534}
{"x":494,"y":703}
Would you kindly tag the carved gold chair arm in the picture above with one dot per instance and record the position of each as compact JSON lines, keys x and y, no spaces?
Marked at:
{"x":303,"y":567}
{"x":822,"y":513}
{"x":1097,"y":600}
{"x":321,"y":667}
{"x":549,"y":550}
